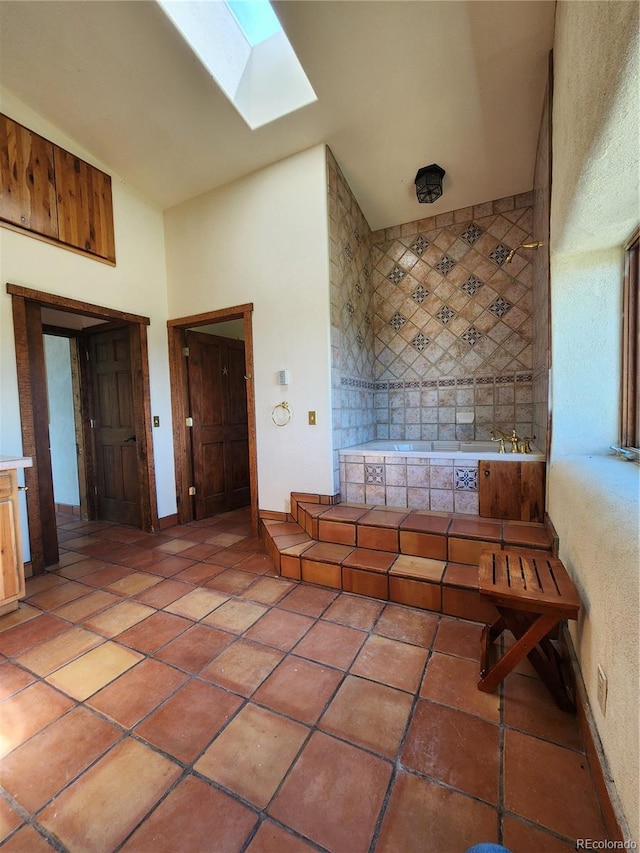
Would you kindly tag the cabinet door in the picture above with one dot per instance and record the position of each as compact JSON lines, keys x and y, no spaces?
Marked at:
{"x":513,"y":490}
{"x":11,"y":572}
{"x":27,"y":189}
{"x":85,"y":210}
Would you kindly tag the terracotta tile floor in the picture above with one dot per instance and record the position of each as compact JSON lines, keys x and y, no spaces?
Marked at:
{"x":170,"y":693}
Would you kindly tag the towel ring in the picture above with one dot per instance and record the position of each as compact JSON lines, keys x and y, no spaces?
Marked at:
{"x":281,"y":414}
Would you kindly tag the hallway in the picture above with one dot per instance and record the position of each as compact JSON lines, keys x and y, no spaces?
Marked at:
{"x":171,"y":693}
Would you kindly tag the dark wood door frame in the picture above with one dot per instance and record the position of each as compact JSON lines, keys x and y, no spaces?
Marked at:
{"x":32,"y":392}
{"x":180,"y":404}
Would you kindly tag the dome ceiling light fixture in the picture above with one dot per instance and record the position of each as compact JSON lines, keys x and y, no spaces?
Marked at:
{"x":428,"y":183}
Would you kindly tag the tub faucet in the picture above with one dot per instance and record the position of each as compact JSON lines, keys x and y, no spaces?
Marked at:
{"x":513,"y":438}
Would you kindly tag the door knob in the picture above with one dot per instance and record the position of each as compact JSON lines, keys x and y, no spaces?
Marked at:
{"x":131,"y":438}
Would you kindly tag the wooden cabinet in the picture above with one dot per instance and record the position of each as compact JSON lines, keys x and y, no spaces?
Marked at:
{"x":54,"y":194}
{"x":11,"y":566}
{"x":27,"y":187}
{"x":85,"y":213}
{"x":513,"y":490}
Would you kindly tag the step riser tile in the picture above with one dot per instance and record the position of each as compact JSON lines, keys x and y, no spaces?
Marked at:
{"x":365,"y":583}
{"x":324,"y":574}
{"x":423,"y":545}
{"x":426,"y":596}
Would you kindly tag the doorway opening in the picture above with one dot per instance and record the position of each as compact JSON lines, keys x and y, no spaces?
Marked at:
{"x":213,"y":405}
{"x":112,"y":430}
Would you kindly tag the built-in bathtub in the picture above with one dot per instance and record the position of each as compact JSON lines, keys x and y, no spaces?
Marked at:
{"x":436,"y":475}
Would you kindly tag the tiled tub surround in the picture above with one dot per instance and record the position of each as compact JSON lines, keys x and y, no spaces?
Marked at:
{"x":419,"y":475}
{"x":430,"y":302}
{"x":429,"y":409}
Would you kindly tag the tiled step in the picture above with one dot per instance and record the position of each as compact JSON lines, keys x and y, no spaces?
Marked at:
{"x":420,"y":558}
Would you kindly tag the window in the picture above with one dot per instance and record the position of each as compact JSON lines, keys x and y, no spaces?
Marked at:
{"x":244,"y":48}
{"x":630,"y":420}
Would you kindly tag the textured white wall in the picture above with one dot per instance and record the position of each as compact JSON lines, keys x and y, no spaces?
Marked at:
{"x":593,"y":498}
{"x":264,"y":239}
{"x":137,"y":285}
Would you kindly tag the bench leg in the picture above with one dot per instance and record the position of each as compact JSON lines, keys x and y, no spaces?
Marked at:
{"x":526,"y":641}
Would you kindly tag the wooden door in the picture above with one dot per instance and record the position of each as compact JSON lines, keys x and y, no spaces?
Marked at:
{"x":218,"y":406}
{"x":513,"y":490}
{"x":27,"y":188}
{"x":113,"y":427}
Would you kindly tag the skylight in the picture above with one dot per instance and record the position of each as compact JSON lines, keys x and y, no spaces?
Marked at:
{"x":244,"y":48}
{"x":256,"y":18}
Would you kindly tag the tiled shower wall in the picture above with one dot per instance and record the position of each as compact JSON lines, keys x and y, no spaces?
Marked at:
{"x":352,"y":343}
{"x":453,"y":323}
{"x":428,"y":321}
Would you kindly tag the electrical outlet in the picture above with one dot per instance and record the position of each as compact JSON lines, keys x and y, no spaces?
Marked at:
{"x":602,"y":690}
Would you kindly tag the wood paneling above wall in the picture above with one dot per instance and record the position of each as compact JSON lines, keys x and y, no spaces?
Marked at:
{"x":53,"y":194}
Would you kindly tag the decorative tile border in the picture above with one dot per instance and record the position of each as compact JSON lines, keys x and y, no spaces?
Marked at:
{"x":461,"y":382}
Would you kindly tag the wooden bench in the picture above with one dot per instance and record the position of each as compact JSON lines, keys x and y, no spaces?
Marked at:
{"x":532,"y":595}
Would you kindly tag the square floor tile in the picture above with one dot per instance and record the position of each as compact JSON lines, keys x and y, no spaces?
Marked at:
{"x":51,"y":654}
{"x":528,"y":706}
{"x":163,"y":593}
{"x":253,"y":753}
{"x":12,"y":679}
{"x":68,"y":746}
{"x":195,"y":647}
{"x":26,"y":712}
{"x":122,"y":787}
{"x":299,"y":688}
{"x":407,"y":625}
{"x":334,"y":645}
{"x":460,"y":750}
{"x":26,"y":840}
{"x":197,"y":603}
{"x":551,"y":786}
{"x":106,"y":575}
{"x":87,"y":606}
{"x":391,"y":662}
{"x":422,"y":815}
{"x":187,"y":722}
{"x":456,"y":637}
{"x":194,"y":817}
{"x":24,"y":613}
{"x":242,"y":667}
{"x":133,"y":583}
{"x":256,"y":563}
{"x":524,"y":838}
{"x":454,"y":681}
{"x":137,"y":692}
{"x":155,"y":631}
{"x":118,"y":618}
{"x":267,"y":590}
{"x":231,"y":581}
{"x":60,"y":594}
{"x":235,"y":616}
{"x":272,"y":839}
{"x":9,"y":819}
{"x":26,"y":634}
{"x":353,"y":611}
{"x":308,"y":600}
{"x":333,"y":794}
{"x":368,"y":714}
{"x":280,"y":628}
{"x":86,"y":675}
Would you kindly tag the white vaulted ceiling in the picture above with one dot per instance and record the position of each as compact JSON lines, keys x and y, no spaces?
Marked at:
{"x":399,"y":84}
